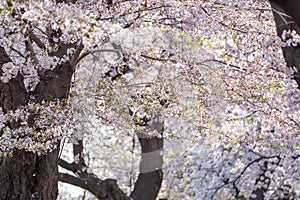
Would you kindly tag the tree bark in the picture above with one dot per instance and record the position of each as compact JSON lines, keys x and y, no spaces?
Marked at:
{"x":26,"y":175}
{"x":283,"y":22}
{"x":104,"y":190}
{"x":290,"y":7}
{"x":146,"y":187}
{"x":150,"y":178}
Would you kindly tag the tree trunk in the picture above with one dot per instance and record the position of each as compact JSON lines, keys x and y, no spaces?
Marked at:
{"x":150,"y":177}
{"x":26,"y":175}
{"x":283,"y":22}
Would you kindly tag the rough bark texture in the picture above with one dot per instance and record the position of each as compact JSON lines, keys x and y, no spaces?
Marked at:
{"x":291,"y":8}
{"x":26,"y":175}
{"x":55,"y":84}
{"x":13,"y":93}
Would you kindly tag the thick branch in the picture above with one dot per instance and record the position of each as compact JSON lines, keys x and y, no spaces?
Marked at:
{"x":4,"y":58}
{"x":66,"y":178}
{"x":106,"y":190}
{"x":13,"y":93}
{"x":79,"y":168}
{"x":69,"y":166}
{"x":235,"y":181}
{"x":75,"y":58}
{"x":149,"y":180}
{"x":37,"y":40}
{"x":78,"y":148}
{"x":31,"y":51}
{"x":103,"y":190}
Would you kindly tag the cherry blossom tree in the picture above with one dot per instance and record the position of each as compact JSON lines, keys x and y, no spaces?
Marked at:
{"x":210,"y":73}
{"x":239,"y":168}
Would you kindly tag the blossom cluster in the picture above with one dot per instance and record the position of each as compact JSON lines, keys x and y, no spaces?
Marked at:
{"x":214,"y":69}
{"x":36,"y":127}
{"x":290,"y":38}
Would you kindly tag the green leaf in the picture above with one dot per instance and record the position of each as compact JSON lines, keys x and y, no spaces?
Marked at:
{"x":15,"y":143}
{"x":8,"y":7}
{"x":5,"y":128}
{"x":34,"y":137}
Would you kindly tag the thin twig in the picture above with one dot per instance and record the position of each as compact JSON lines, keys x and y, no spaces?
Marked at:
{"x":97,"y":51}
{"x":31,"y":51}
